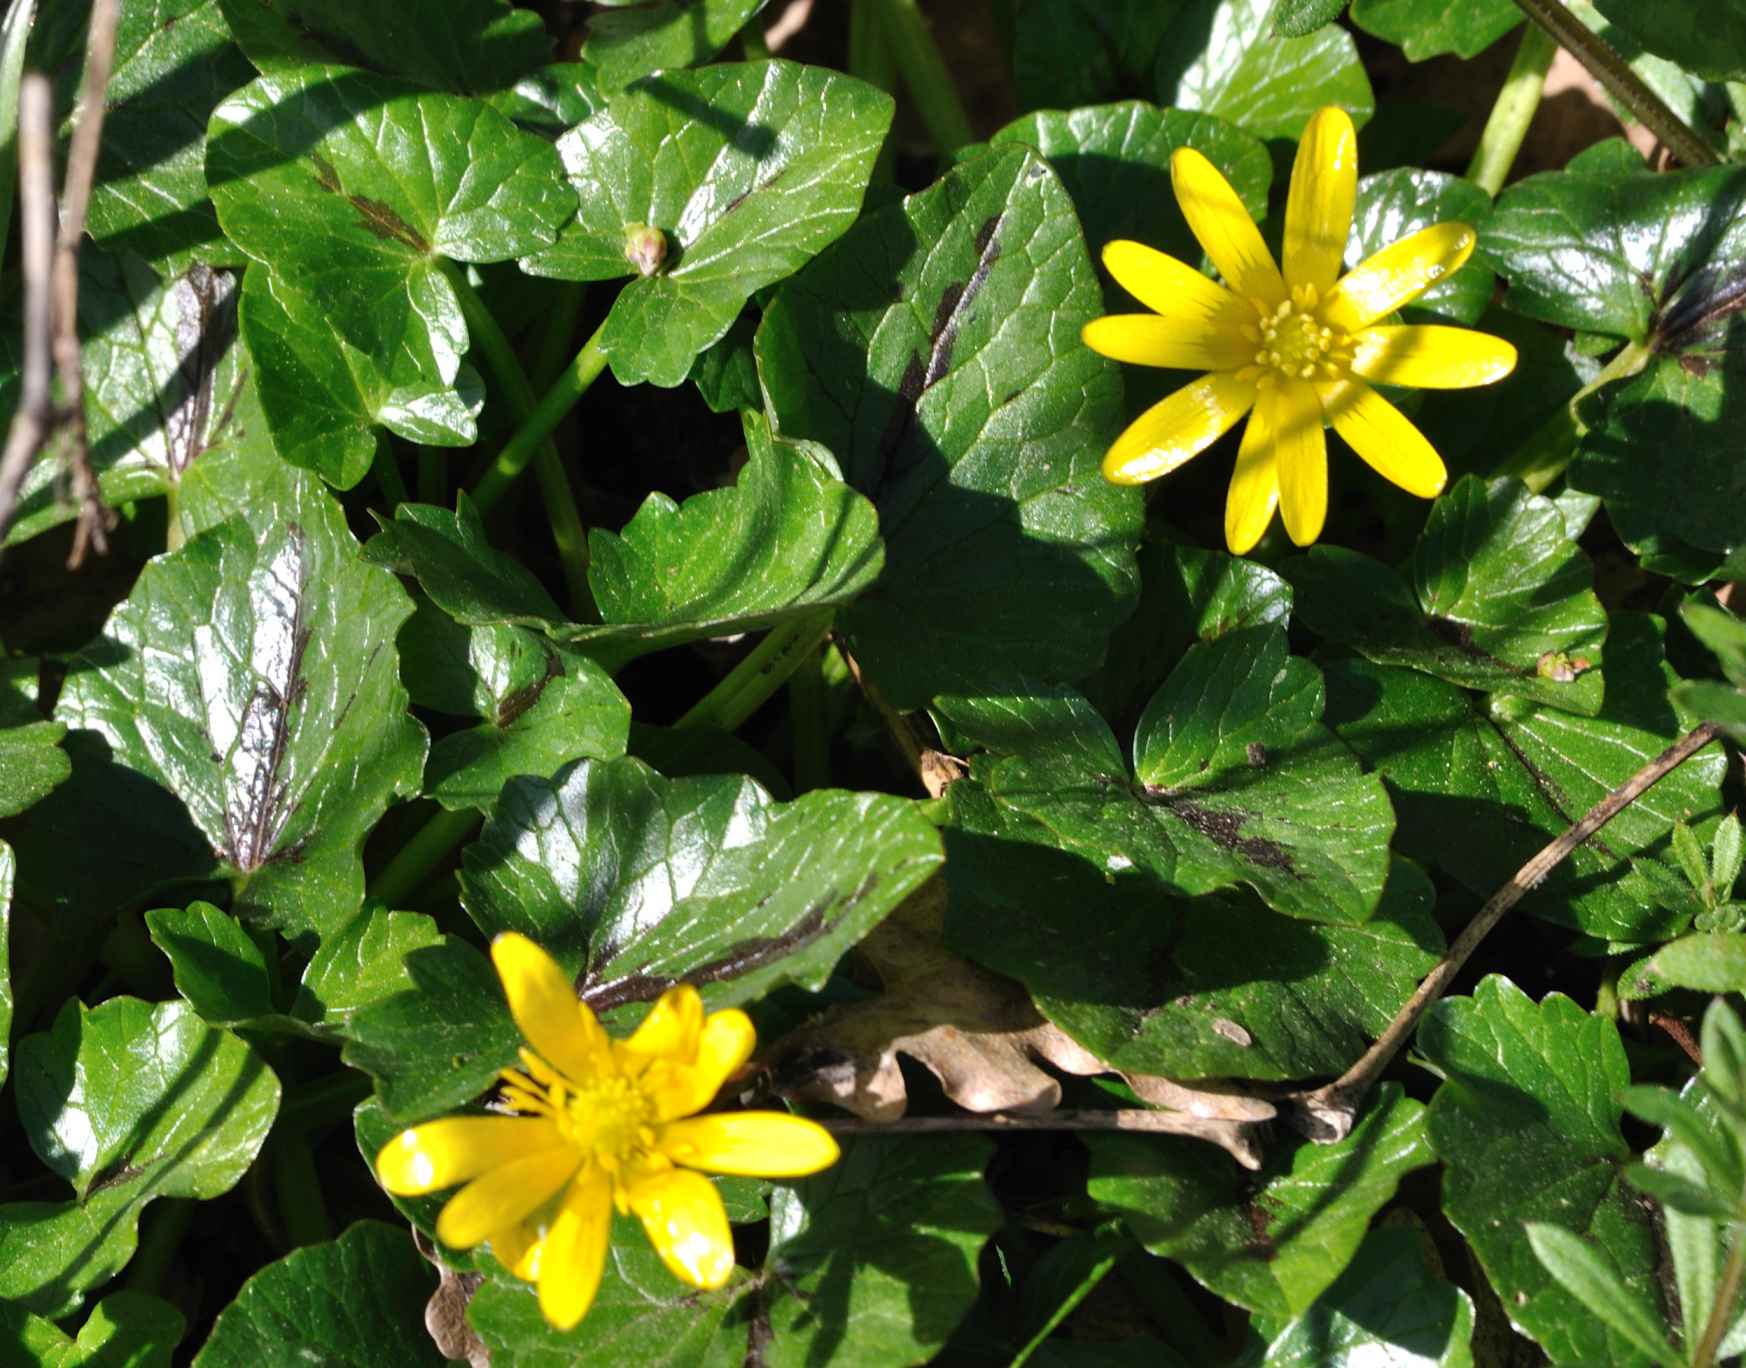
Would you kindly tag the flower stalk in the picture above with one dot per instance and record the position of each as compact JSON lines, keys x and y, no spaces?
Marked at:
{"x":1513,"y":111}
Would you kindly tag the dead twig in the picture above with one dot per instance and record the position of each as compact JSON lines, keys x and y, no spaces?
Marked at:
{"x":51,"y":287}
{"x":935,"y":770}
{"x":1237,"y":1137}
{"x":1327,"y":1113}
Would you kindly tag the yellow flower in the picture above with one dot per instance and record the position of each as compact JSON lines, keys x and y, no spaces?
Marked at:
{"x":1296,"y":348}
{"x":600,"y":1123}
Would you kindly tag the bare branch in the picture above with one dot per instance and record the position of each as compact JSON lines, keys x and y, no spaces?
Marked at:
{"x":94,"y":518}
{"x":1237,"y":1137}
{"x":36,"y":210}
{"x":1327,"y":1113}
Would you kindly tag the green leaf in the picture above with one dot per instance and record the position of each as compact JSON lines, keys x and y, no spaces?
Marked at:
{"x":1432,"y":28}
{"x":1223,"y":57}
{"x":356,"y":1302}
{"x":1271,"y":1242}
{"x":1712,"y":962}
{"x":629,"y":43}
{"x":1114,"y":162}
{"x":1608,"y":246}
{"x":252,"y":673}
{"x":642,"y":881}
{"x":744,"y":197}
{"x":457,"y":566}
{"x":876,"y":1257}
{"x":480,"y":46}
{"x":1386,"y":1308}
{"x":1235,"y":782}
{"x":349,"y":189}
{"x":1396,"y":204}
{"x":165,"y":384}
{"x":8,"y":873}
{"x":788,"y":538}
{"x":1217,"y":987}
{"x":219,"y":968}
{"x":149,"y":1100}
{"x":14,"y":39}
{"x":174,"y":62}
{"x":439,"y":1044}
{"x":124,"y":1330}
{"x":1496,"y":596}
{"x":1722,"y":633}
{"x":958,"y":397}
{"x":1186,"y":594}
{"x":1587,"y":1274}
{"x":642,"y":1315}
{"x":1481,"y":785}
{"x":1683,"y":405}
{"x":568,"y":710}
{"x":1531,"y":1089}
{"x":1707,"y":37}
{"x":361,"y":964}
{"x":1081,"y":52}
{"x":31,"y":764}
{"x":1299,"y":18}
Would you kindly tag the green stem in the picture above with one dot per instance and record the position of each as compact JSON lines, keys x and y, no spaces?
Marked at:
{"x":173,"y":536}
{"x":162,"y":1231}
{"x":387,"y":472}
{"x":745,"y":688}
{"x":1513,"y":111}
{"x":559,"y":498}
{"x":930,"y":85}
{"x":870,"y":61}
{"x":1623,"y":84}
{"x":322,"y":1104}
{"x":538,"y":421}
{"x":752,"y":43}
{"x":297,"y":1192}
{"x":420,"y":856}
{"x":1542,"y":457}
{"x":1727,"y":1292}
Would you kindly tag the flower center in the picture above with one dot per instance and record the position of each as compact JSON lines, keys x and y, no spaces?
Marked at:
{"x":609,"y":1117}
{"x":1293,"y":343}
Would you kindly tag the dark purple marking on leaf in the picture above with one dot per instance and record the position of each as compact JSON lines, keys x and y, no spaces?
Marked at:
{"x":1224,"y":828}
{"x":760,"y":1334}
{"x":381,"y":221}
{"x":514,"y":705}
{"x":1549,"y":788}
{"x":123,"y":1173}
{"x":204,"y":307}
{"x":1260,"y":1244}
{"x":325,"y":176}
{"x":256,"y":808}
{"x":346,"y":52}
{"x":1708,"y":298}
{"x":1460,"y":636}
{"x":919,"y":375}
{"x":753,"y":953}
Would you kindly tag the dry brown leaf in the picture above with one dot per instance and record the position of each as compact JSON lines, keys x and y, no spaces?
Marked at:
{"x":445,"y":1314}
{"x":975,"y":1031}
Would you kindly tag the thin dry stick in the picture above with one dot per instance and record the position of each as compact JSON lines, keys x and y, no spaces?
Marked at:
{"x":1327,"y":1113}
{"x":1235,"y":1136}
{"x":36,"y":211}
{"x":94,"y":518}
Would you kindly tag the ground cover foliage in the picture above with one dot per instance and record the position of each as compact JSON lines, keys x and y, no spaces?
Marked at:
{"x":581,"y":473}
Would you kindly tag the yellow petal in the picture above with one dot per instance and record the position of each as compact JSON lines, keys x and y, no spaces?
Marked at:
{"x":1382,"y":435}
{"x":505,"y":1194}
{"x":755,"y":1144}
{"x":687,"y":1225}
{"x":671,"y":1028}
{"x":1180,"y":426}
{"x":1148,"y":340}
{"x":724,"y":1045}
{"x":569,"y":1260}
{"x":456,"y":1149}
{"x":1318,"y":209}
{"x":1254,"y":492}
{"x":543,"y":1002}
{"x":1431,"y":357}
{"x":1397,"y":275}
{"x":1300,"y":452}
{"x":1171,"y":288}
{"x":1224,"y":228}
{"x":516,"y":1247}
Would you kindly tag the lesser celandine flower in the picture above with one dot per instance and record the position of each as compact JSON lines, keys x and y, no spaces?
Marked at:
{"x":600,"y":1123}
{"x":1292,"y":349}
